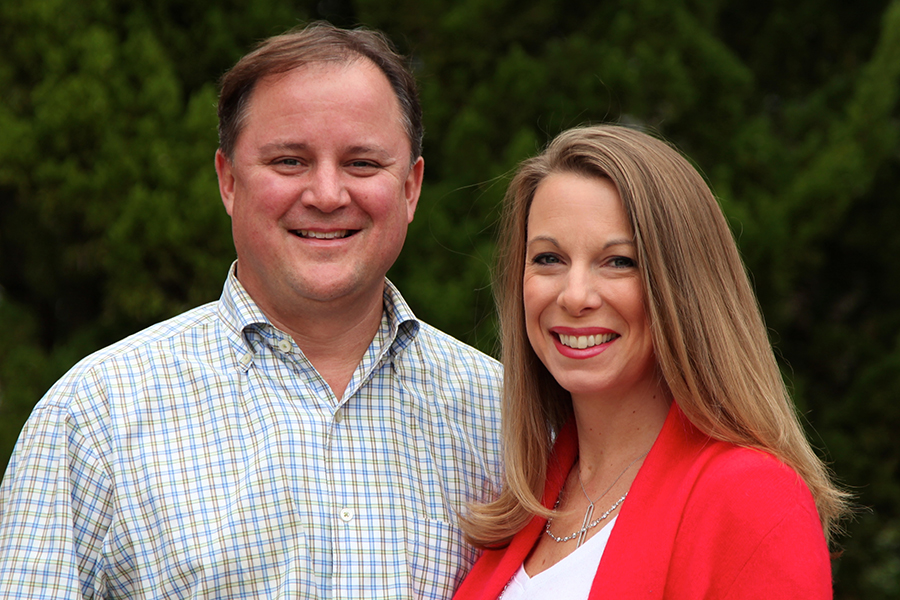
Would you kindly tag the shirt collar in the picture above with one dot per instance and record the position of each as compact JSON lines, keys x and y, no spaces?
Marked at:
{"x":237,"y":308}
{"x":403,"y":324}
{"x":240,"y":312}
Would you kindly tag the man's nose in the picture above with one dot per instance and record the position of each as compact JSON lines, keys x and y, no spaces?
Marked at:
{"x":326,"y":189}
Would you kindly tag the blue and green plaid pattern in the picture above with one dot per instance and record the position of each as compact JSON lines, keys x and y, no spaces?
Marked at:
{"x":205,"y":458}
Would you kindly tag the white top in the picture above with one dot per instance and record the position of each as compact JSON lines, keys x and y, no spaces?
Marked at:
{"x":570,"y":578}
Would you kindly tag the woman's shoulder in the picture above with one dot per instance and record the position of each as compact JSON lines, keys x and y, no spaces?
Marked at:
{"x":730,"y":470}
{"x":713,"y":469}
{"x":748,"y":493}
{"x":752,"y":521}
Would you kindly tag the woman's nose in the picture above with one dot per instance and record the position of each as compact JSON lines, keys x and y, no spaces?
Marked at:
{"x":580,"y":292}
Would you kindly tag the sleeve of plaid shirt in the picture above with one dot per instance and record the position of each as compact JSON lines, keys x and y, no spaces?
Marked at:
{"x":54,"y":506}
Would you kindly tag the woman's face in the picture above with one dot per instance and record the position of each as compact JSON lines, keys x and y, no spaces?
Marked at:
{"x":584,"y":302}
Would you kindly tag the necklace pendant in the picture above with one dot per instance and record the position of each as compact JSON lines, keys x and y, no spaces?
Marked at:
{"x":582,"y":535}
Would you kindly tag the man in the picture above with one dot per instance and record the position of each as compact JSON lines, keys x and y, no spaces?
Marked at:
{"x":303,"y":437}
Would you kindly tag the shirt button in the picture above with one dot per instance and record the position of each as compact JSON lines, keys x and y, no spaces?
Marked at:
{"x":284,"y":345}
{"x":346,"y":515}
{"x":339,"y":415}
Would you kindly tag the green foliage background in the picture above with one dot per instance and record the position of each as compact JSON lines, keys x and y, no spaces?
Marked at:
{"x":110,"y":218}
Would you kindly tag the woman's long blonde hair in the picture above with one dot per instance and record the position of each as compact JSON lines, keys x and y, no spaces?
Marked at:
{"x":708,"y":333}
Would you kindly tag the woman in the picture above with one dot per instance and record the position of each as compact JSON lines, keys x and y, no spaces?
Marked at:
{"x":652,"y":450}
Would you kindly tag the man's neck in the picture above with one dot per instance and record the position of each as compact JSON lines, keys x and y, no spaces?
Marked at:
{"x":334,"y":339}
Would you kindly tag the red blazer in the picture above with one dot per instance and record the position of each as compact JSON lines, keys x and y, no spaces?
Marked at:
{"x":703,"y":519}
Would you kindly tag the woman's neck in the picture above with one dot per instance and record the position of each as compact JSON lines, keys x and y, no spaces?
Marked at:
{"x":613,"y":429}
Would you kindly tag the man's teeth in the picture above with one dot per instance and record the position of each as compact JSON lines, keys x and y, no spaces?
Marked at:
{"x":323,"y":235}
{"x":586,"y":341}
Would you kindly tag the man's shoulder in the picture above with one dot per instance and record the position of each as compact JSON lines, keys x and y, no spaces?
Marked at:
{"x":181,"y":330}
{"x":446,"y":350}
{"x":435,"y":364}
{"x":193,"y":332}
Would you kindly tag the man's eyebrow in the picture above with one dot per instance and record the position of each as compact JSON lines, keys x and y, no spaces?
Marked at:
{"x":369,"y":150}
{"x":283,"y":146}
{"x":300,"y":147}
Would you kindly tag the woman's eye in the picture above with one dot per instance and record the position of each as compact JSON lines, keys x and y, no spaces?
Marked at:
{"x":545,"y":259}
{"x":622,"y":262}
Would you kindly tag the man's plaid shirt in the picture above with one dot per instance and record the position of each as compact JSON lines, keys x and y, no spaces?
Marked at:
{"x":206,"y":458}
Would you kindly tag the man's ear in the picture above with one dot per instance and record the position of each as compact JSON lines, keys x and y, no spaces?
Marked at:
{"x":225,"y":171}
{"x":413,"y":187}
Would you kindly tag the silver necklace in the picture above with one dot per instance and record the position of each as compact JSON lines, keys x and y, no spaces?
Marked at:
{"x":587,"y":524}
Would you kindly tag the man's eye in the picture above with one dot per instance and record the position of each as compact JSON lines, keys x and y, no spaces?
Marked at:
{"x":363,"y":164}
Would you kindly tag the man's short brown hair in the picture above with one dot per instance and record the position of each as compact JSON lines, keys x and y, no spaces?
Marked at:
{"x":317,"y":42}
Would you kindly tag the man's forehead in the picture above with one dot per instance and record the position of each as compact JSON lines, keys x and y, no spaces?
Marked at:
{"x":294,"y":116}
{"x":311,"y":77}
{"x":264,"y":102}
{"x":320,"y":68}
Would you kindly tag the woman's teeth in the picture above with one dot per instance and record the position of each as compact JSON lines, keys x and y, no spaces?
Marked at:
{"x":586,"y":341}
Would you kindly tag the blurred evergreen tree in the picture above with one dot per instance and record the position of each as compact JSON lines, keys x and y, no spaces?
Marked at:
{"x":110,"y":218}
